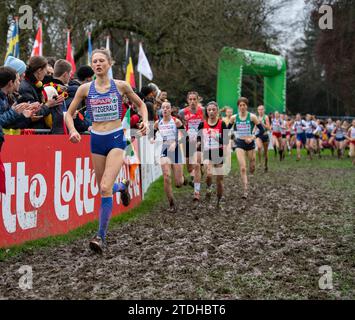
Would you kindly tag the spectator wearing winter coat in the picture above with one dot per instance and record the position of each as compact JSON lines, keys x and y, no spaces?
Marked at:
{"x":11,"y":115}
{"x":61,"y":78}
{"x":31,"y":91}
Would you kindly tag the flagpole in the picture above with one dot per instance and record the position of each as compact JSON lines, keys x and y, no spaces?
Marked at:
{"x":40,"y":27}
{"x":108,"y":44}
{"x":140,"y":74}
{"x":126,"y":56}
{"x":17,"y":47}
{"x":140,"y":81}
{"x":89,"y":48}
{"x":127,"y":44}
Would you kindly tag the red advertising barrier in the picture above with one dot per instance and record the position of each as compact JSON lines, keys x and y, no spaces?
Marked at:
{"x":51,"y":188}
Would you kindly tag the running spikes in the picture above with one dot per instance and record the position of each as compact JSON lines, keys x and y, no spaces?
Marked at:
{"x":219,"y":205}
{"x":97,"y":245}
{"x":172,"y":208}
{"x":196,"y":197}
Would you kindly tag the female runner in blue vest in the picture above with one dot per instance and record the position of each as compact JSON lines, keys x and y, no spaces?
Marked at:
{"x":104,"y":105}
{"x":244,"y":123}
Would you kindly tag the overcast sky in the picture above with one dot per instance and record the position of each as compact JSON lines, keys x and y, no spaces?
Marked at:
{"x":289,"y":21}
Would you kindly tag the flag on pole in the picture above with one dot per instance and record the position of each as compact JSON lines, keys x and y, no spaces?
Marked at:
{"x":128,"y":67}
{"x":126,"y":56}
{"x":110,"y":73}
{"x":130,"y":74}
{"x":70,"y":54}
{"x":89,"y":49}
{"x":37,"y":46}
{"x":143,"y":64}
{"x":13,"y":48}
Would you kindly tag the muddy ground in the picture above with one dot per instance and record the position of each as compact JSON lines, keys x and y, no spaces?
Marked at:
{"x":269,"y":247}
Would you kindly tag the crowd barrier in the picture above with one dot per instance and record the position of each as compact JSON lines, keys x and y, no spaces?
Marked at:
{"x":150,"y":165}
{"x":51,"y":187}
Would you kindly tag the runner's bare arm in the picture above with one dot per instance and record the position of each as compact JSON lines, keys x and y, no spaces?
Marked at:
{"x":156,"y":125}
{"x":181,"y":130}
{"x":80,"y":95}
{"x":178,"y":123}
{"x":255,"y":119}
{"x":156,"y":129}
{"x":267,"y":123}
{"x":348,"y":135}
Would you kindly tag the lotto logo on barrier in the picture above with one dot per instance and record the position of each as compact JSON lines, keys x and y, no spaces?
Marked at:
{"x":51,"y":188}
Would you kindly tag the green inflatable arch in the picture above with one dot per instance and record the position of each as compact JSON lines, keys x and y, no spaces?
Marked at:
{"x":233,"y":63}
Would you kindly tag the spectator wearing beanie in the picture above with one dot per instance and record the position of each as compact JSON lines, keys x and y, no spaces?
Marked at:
{"x":16,"y":64}
{"x":20,"y":68}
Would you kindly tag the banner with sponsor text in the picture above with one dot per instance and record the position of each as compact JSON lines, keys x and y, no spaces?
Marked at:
{"x":51,"y":188}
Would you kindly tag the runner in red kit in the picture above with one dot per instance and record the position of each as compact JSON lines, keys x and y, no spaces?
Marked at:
{"x":192,"y":116}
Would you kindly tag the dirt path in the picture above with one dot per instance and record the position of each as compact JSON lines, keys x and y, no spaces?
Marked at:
{"x":267,"y":248}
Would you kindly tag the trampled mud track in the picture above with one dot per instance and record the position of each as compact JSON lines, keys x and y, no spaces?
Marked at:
{"x":268,"y":247}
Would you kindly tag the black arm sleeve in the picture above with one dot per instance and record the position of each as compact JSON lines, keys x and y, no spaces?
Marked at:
{"x":199,"y":134}
{"x":261,"y":129}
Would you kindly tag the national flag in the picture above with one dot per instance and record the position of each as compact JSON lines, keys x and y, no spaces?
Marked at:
{"x":130,"y":74}
{"x":125,"y":64}
{"x":143,"y":64}
{"x":13,"y":48}
{"x":128,"y":67}
{"x":70,"y":54}
{"x":38,"y":44}
{"x":110,"y":73}
{"x":89,"y":49}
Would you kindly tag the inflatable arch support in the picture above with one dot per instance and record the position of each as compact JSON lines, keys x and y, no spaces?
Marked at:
{"x":234,"y":63}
